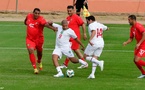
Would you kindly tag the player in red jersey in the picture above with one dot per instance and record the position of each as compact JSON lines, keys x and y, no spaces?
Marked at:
{"x":137,"y":31}
{"x":74,"y":23}
{"x":34,"y":37}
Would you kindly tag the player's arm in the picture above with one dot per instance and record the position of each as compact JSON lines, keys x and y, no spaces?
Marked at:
{"x":93,"y":33}
{"x":85,"y":2}
{"x":84,"y":31}
{"x":74,"y":2}
{"x":142,"y":39}
{"x":128,"y":41}
{"x":78,"y":41}
{"x":50,"y":26}
{"x":25,"y":21}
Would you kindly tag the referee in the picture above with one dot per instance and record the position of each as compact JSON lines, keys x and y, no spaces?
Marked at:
{"x":79,"y":4}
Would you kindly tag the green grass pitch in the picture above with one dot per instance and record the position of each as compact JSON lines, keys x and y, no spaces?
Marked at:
{"x":16,"y":72}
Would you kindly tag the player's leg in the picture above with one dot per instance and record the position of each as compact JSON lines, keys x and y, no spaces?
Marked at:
{"x":75,"y":47}
{"x":39,"y":48}
{"x":139,"y":62}
{"x":78,"y":9}
{"x":55,"y":56}
{"x":31,"y":48}
{"x":69,"y":53}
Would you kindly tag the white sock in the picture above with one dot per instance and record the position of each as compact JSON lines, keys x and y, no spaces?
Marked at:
{"x":58,"y":69}
{"x":82,"y":62}
{"x":93,"y":60}
{"x":94,"y":66}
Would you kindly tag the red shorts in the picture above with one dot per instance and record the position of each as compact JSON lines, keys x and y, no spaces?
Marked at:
{"x":37,"y":44}
{"x":74,"y":44}
{"x":139,"y":52}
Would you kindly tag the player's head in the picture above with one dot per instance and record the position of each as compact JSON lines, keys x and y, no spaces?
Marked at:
{"x":90,"y":19}
{"x":70,"y":10}
{"x":64,"y":24}
{"x":36,"y":13}
{"x":131,"y":19}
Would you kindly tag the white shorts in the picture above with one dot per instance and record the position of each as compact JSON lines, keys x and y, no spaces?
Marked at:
{"x":67,"y":52}
{"x":93,"y":50}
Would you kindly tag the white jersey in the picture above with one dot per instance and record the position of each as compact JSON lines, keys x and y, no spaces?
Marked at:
{"x":63,"y":37}
{"x":98,"y":38}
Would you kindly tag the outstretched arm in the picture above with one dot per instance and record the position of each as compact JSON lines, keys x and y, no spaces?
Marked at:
{"x":74,"y":2}
{"x":80,"y":43}
{"x":84,"y":31}
{"x":128,"y":41}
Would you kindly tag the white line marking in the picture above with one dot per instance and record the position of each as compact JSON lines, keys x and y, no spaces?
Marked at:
{"x":14,"y":48}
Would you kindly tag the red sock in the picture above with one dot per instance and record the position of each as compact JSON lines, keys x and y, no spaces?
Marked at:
{"x":83,"y":59}
{"x":66,"y":62}
{"x":33,"y":60}
{"x":39,"y":58}
{"x":140,"y":68}
{"x":141,"y":63}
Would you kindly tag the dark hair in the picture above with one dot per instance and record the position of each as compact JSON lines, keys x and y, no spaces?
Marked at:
{"x":36,"y":9}
{"x":133,"y":17}
{"x":70,"y":7}
{"x":91,"y":18}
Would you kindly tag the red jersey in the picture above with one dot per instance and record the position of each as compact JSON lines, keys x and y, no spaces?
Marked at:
{"x":74,"y":22}
{"x":136,"y":31}
{"x":35,"y":27}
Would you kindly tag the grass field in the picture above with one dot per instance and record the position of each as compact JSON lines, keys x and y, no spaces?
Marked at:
{"x":16,"y":72}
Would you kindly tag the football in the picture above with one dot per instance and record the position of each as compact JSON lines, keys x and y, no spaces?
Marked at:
{"x":70,"y":73}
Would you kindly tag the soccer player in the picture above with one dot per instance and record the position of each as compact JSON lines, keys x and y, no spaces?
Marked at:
{"x":79,"y":4}
{"x":95,"y":44}
{"x":34,"y":38}
{"x":74,"y":22}
{"x":62,"y":46}
{"x":137,"y":31}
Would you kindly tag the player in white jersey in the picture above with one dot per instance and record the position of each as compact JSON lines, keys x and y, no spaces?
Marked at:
{"x":95,"y":45}
{"x":63,"y":46}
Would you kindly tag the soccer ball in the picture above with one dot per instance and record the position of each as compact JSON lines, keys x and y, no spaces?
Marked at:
{"x":70,"y":73}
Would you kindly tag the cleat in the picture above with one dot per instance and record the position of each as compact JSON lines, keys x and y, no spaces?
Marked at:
{"x":63,"y":66}
{"x":91,"y":76}
{"x":40,"y":66}
{"x":83,"y":66}
{"x":36,"y":71}
{"x":101,"y":64}
{"x":58,"y":75}
{"x":141,"y":76}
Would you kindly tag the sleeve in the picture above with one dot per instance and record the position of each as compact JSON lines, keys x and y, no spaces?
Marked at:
{"x":56,"y":25}
{"x":140,"y":28}
{"x":43,"y":21}
{"x":91,"y":27}
{"x":72,"y":34}
{"x":104,"y":27}
{"x":79,"y":20}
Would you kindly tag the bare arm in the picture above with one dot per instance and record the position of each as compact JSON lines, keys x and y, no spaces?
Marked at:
{"x":25,"y":21}
{"x":74,"y":2}
{"x":93,"y":32}
{"x":84,"y":31}
{"x":49,"y":25}
{"x":142,"y":39}
{"x":80,"y":43}
{"x":128,"y":41}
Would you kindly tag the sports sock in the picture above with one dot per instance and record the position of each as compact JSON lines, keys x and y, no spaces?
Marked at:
{"x":58,"y":69}
{"x":39,"y":58}
{"x":141,"y":62}
{"x":82,"y":62}
{"x":83,"y":59}
{"x":140,"y":68}
{"x":94,"y":66}
{"x":66,"y":62}
{"x":93,"y":60}
{"x":33,"y":60}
